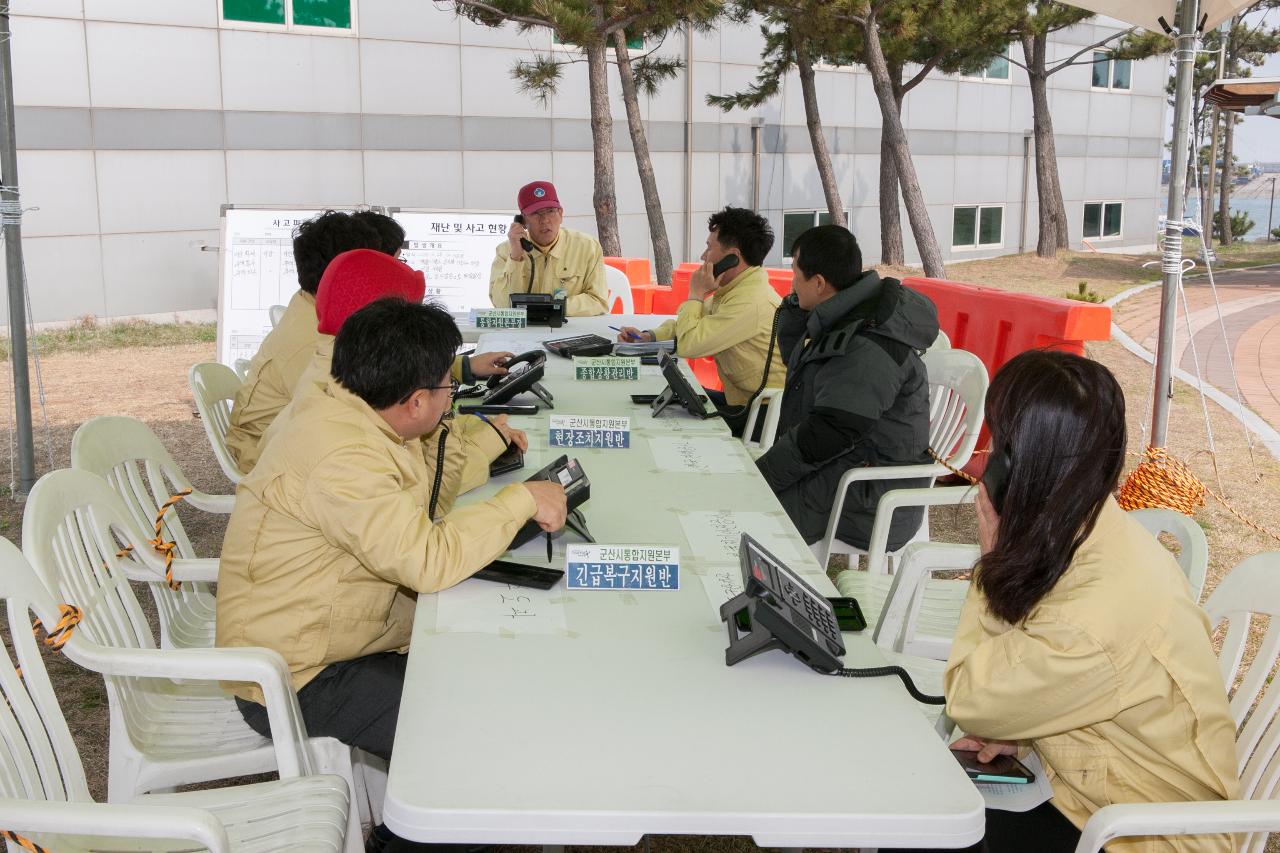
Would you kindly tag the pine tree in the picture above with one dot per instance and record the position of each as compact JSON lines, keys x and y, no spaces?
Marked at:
{"x":594,"y":26}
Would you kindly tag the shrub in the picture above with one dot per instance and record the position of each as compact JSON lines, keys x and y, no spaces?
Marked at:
{"x":1241,"y":224}
{"x":1083,"y":293}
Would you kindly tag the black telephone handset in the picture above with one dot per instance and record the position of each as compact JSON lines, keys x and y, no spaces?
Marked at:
{"x":783,"y":612}
{"x":996,"y":477}
{"x":525,"y":242}
{"x":678,"y":390}
{"x":519,"y":380}
{"x":577,"y":489}
{"x":725,"y":264}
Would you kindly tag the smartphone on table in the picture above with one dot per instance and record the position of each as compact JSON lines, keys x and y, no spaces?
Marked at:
{"x":1002,"y":768}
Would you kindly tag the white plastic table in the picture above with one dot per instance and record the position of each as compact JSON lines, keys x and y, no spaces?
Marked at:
{"x":625,"y":720}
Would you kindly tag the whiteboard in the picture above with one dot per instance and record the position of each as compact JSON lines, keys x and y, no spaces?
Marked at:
{"x":454,"y":249}
{"x":257,"y":272}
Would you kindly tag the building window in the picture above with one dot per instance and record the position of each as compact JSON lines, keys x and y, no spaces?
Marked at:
{"x":1103,"y":219}
{"x":633,"y":43}
{"x":1111,"y":74}
{"x":977,"y":227}
{"x":796,"y":222}
{"x":321,"y":14}
{"x":997,"y":69}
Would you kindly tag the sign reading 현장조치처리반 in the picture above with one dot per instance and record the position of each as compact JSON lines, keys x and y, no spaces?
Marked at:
{"x":606,"y":368}
{"x":455,"y":250}
{"x":590,"y":431}
{"x":623,"y":567}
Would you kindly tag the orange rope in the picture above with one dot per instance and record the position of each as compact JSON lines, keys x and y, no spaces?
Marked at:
{"x":967,"y":477}
{"x":159,"y":543}
{"x":24,"y":843}
{"x":1163,"y":481}
{"x":69,"y":617}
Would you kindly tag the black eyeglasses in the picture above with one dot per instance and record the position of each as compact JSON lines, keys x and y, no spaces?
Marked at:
{"x":452,"y":386}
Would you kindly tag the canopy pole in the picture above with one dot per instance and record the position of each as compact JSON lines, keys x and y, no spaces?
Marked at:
{"x":1171,"y":261}
{"x":11,"y":216}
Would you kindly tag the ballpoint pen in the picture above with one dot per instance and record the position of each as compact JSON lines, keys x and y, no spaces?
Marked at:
{"x":548,"y":547}
{"x":630,"y":336}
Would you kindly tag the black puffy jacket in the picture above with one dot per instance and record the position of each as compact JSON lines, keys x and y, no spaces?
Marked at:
{"x":856,"y":395}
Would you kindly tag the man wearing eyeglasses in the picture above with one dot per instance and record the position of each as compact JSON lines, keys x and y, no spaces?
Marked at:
{"x":542,"y":256}
{"x":344,"y":522}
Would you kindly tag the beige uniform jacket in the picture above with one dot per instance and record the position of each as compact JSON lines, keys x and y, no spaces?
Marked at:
{"x":573,"y":265}
{"x":273,"y":373}
{"x":734,"y":324}
{"x":330,"y":539}
{"x":1112,"y":680}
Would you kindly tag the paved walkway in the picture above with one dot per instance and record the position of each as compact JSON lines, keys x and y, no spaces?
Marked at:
{"x":1250,"y":301}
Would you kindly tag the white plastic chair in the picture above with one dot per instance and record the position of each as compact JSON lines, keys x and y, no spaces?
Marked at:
{"x":275,"y":312}
{"x":940,"y":342}
{"x":241,"y":368}
{"x":769,"y":430}
{"x":1251,"y":588}
{"x":619,"y":288}
{"x":1193,"y":549}
{"x":214,"y":387}
{"x":957,"y":392}
{"x":126,"y":453}
{"x":934,"y":604}
{"x":163,"y":732}
{"x":43,"y":792}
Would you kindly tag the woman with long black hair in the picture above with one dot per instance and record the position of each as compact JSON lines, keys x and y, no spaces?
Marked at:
{"x":1080,"y":639}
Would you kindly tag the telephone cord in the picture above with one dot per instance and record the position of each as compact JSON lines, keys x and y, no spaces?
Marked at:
{"x":883,"y":671}
{"x":435,"y":487}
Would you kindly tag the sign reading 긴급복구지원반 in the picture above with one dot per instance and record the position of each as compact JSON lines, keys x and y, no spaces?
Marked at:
{"x":455,"y":250}
{"x":258,"y":271}
{"x":629,"y":567}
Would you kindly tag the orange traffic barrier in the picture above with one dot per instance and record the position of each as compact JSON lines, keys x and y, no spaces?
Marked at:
{"x":667,"y":299}
{"x":780,"y":279}
{"x":636,"y":269}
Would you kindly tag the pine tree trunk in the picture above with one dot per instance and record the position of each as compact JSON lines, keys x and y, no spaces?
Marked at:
{"x":1225,"y":237}
{"x":891,"y":251}
{"x":605,"y":196}
{"x":821,"y":155}
{"x":917,"y":213}
{"x":1053,"y":212}
{"x":644,"y":163}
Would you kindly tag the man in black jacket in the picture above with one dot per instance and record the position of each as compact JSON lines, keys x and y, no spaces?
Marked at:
{"x":856,"y":395}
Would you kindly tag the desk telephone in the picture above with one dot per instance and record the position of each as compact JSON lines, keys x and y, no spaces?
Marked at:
{"x":577,"y":489}
{"x":777,"y":609}
{"x":519,"y":379}
{"x":678,"y":390}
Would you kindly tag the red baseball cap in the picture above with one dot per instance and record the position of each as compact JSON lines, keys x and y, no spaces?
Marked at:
{"x":536,"y":196}
{"x":355,"y":278}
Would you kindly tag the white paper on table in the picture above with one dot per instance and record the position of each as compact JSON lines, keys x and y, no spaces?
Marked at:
{"x":1018,"y":798}
{"x":720,"y":583}
{"x":484,"y":607}
{"x":715,"y":536}
{"x":697,"y":455}
{"x":503,"y":343}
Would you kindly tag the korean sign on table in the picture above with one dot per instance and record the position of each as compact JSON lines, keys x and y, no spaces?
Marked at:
{"x":578,"y":431}
{"x":629,"y":567}
{"x":606,"y":368}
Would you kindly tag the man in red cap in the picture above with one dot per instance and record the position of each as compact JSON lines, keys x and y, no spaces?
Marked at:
{"x":542,"y":256}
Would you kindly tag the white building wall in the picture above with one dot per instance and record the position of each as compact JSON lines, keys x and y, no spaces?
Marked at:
{"x":138,"y":119}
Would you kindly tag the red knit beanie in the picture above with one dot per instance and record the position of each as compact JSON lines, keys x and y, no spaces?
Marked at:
{"x":354,"y":279}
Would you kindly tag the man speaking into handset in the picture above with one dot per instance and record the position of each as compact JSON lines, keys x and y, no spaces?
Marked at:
{"x":729,"y":313}
{"x":542,"y":256}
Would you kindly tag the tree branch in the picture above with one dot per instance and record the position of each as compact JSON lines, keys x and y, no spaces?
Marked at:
{"x":1071,"y":60}
{"x":480,"y":6}
{"x":923,"y":73}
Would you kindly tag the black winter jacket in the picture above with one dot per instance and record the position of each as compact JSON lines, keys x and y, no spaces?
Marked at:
{"x":856,"y":395}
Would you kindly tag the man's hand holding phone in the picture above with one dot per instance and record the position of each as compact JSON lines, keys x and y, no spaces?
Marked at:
{"x":552,"y":507}
{"x":517,"y":236}
{"x":488,"y":364}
